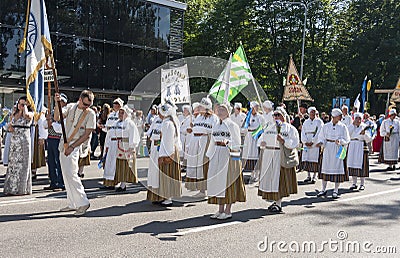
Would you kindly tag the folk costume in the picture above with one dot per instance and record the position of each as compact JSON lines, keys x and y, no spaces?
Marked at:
{"x":168,"y":155}
{"x":357,"y":154}
{"x":334,"y":136}
{"x":121,"y":141}
{"x":197,"y":161}
{"x":389,"y":130}
{"x":310,"y":158}
{"x":278,"y":174}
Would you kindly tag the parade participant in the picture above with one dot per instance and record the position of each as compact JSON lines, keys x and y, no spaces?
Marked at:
{"x":250,"y":149}
{"x":197,"y":162}
{"x":120,"y":152}
{"x":113,"y":116}
{"x":278,"y":174}
{"x":333,"y":136}
{"x":268,"y":107}
{"x":79,"y":123}
{"x":149,"y":120}
{"x":168,"y":155}
{"x":372,"y":127}
{"x":309,"y":137}
{"x":18,"y":179}
{"x":389,"y":130}
{"x":298,"y":121}
{"x":195,"y":107}
{"x":138,"y":119}
{"x":185,"y":121}
{"x":38,"y":135}
{"x":225,"y":184}
{"x":153,"y":174}
{"x":101,"y":124}
{"x":94,"y":142}
{"x":238,"y":116}
{"x":53,"y":154}
{"x":357,"y":157}
{"x":346,"y":118}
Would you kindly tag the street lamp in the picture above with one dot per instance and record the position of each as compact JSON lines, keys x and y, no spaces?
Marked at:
{"x":306,"y":6}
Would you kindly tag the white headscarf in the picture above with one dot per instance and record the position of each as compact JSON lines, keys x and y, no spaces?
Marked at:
{"x":206,"y":103}
{"x":336,"y":112}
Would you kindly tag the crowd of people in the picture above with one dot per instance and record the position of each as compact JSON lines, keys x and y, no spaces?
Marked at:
{"x":204,"y":148}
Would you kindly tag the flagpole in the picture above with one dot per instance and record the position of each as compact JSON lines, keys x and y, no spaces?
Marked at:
{"x":57,"y":90}
{"x":253,"y":81}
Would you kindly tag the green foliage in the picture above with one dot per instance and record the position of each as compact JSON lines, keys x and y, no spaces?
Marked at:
{"x":345,"y":40}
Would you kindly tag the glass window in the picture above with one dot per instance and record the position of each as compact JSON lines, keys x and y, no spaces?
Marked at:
{"x":111,"y":70}
{"x":163,"y":27}
{"x":111,"y":21}
{"x":81,"y":69}
{"x":64,"y":55}
{"x":96,"y":58}
{"x":11,"y":59}
{"x":151,"y":25}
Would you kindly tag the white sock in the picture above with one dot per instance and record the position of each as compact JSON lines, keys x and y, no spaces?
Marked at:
{"x":279,"y":202}
{"x":362,"y":179}
{"x":309,"y":174}
{"x":337,"y":187}
{"x":354,"y":180}
{"x":324,"y":184}
{"x":122,"y":185}
{"x":80,"y":170}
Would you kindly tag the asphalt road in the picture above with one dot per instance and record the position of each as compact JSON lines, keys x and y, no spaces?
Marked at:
{"x":358,"y":224}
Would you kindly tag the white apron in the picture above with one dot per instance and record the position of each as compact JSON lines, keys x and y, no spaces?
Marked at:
{"x":153,"y":173}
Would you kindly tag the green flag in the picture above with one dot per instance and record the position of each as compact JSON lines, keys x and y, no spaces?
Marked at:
{"x":240,"y":75}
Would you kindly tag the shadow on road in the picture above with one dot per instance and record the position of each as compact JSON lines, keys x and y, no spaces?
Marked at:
{"x":157,"y":228}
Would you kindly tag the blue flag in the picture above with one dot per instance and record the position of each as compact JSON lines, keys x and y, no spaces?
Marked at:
{"x":363,"y":95}
{"x":247,"y":121}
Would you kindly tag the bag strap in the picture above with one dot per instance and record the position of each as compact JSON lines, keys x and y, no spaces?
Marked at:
{"x":78,"y":125}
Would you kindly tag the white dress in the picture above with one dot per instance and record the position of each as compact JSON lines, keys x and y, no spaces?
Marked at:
{"x":271,"y":159}
{"x":309,"y":133}
{"x":185,"y":136}
{"x":198,"y":144}
{"x":121,"y":135}
{"x":330,"y":133}
{"x":227,"y":131}
{"x":390,"y":128}
{"x":238,"y":119}
{"x":154,"y":132}
{"x":355,"y":151}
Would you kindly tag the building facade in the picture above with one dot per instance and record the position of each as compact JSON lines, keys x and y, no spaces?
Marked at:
{"x":107,"y":46}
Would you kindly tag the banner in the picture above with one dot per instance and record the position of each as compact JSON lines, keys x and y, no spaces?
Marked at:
{"x":175,"y":85}
{"x":396,"y":94}
{"x":294,"y":87}
{"x":37,"y":45}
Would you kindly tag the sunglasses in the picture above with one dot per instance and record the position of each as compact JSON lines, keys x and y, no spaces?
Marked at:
{"x":86,"y":104}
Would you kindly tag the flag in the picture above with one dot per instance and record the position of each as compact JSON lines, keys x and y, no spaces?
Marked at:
{"x":175,"y":85}
{"x":226,"y":81}
{"x":294,"y":87}
{"x":257,"y":132}
{"x":341,"y":154}
{"x":357,"y":102}
{"x":247,"y":120}
{"x":240,"y":75}
{"x":38,"y":47}
{"x":363,"y":94}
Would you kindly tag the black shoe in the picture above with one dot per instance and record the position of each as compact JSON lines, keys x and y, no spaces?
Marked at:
{"x":81,"y":175}
{"x":313,"y":181}
{"x":335,"y":195}
{"x":353,"y":187}
{"x":107,"y":187}
{"x":48,"y":188}
{"x":272,"y":205}
{"x":276,"y":209}
{"x":308,"y":179}
{"x":362,"y":188}
{"x":34,"y":177}
{"x":322,"y":193}
{"x":120,"y":189}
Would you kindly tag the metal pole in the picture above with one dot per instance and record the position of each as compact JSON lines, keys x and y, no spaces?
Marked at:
{"x":303,"y":43}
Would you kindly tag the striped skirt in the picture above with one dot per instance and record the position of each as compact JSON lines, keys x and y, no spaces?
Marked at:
{"x":361,"y":172}
{"x":170,"y":178}
{"x":39,"y":156}
{"x":235,"y":189}
{"x":84,"y":161}
{"x":335,"y":178}
{"x":123,"y":173}
{"x":250,"y":164}
{"x":287,"y":185}
{"x":310,"y":166}
{"x":153,"y":195}
{"x":193,"y":184}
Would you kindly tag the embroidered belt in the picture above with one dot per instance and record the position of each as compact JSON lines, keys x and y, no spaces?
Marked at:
{"x":200,"y":134}
{"x":157,"y":142}
{"x":272,"y":148}
{"x":220,"y":144}
{"x":356,"y":140}
{"x":251,"y":130}
{"x":21,"y":126}
{"x":119,"y":139}
{"x":330,"y":140}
